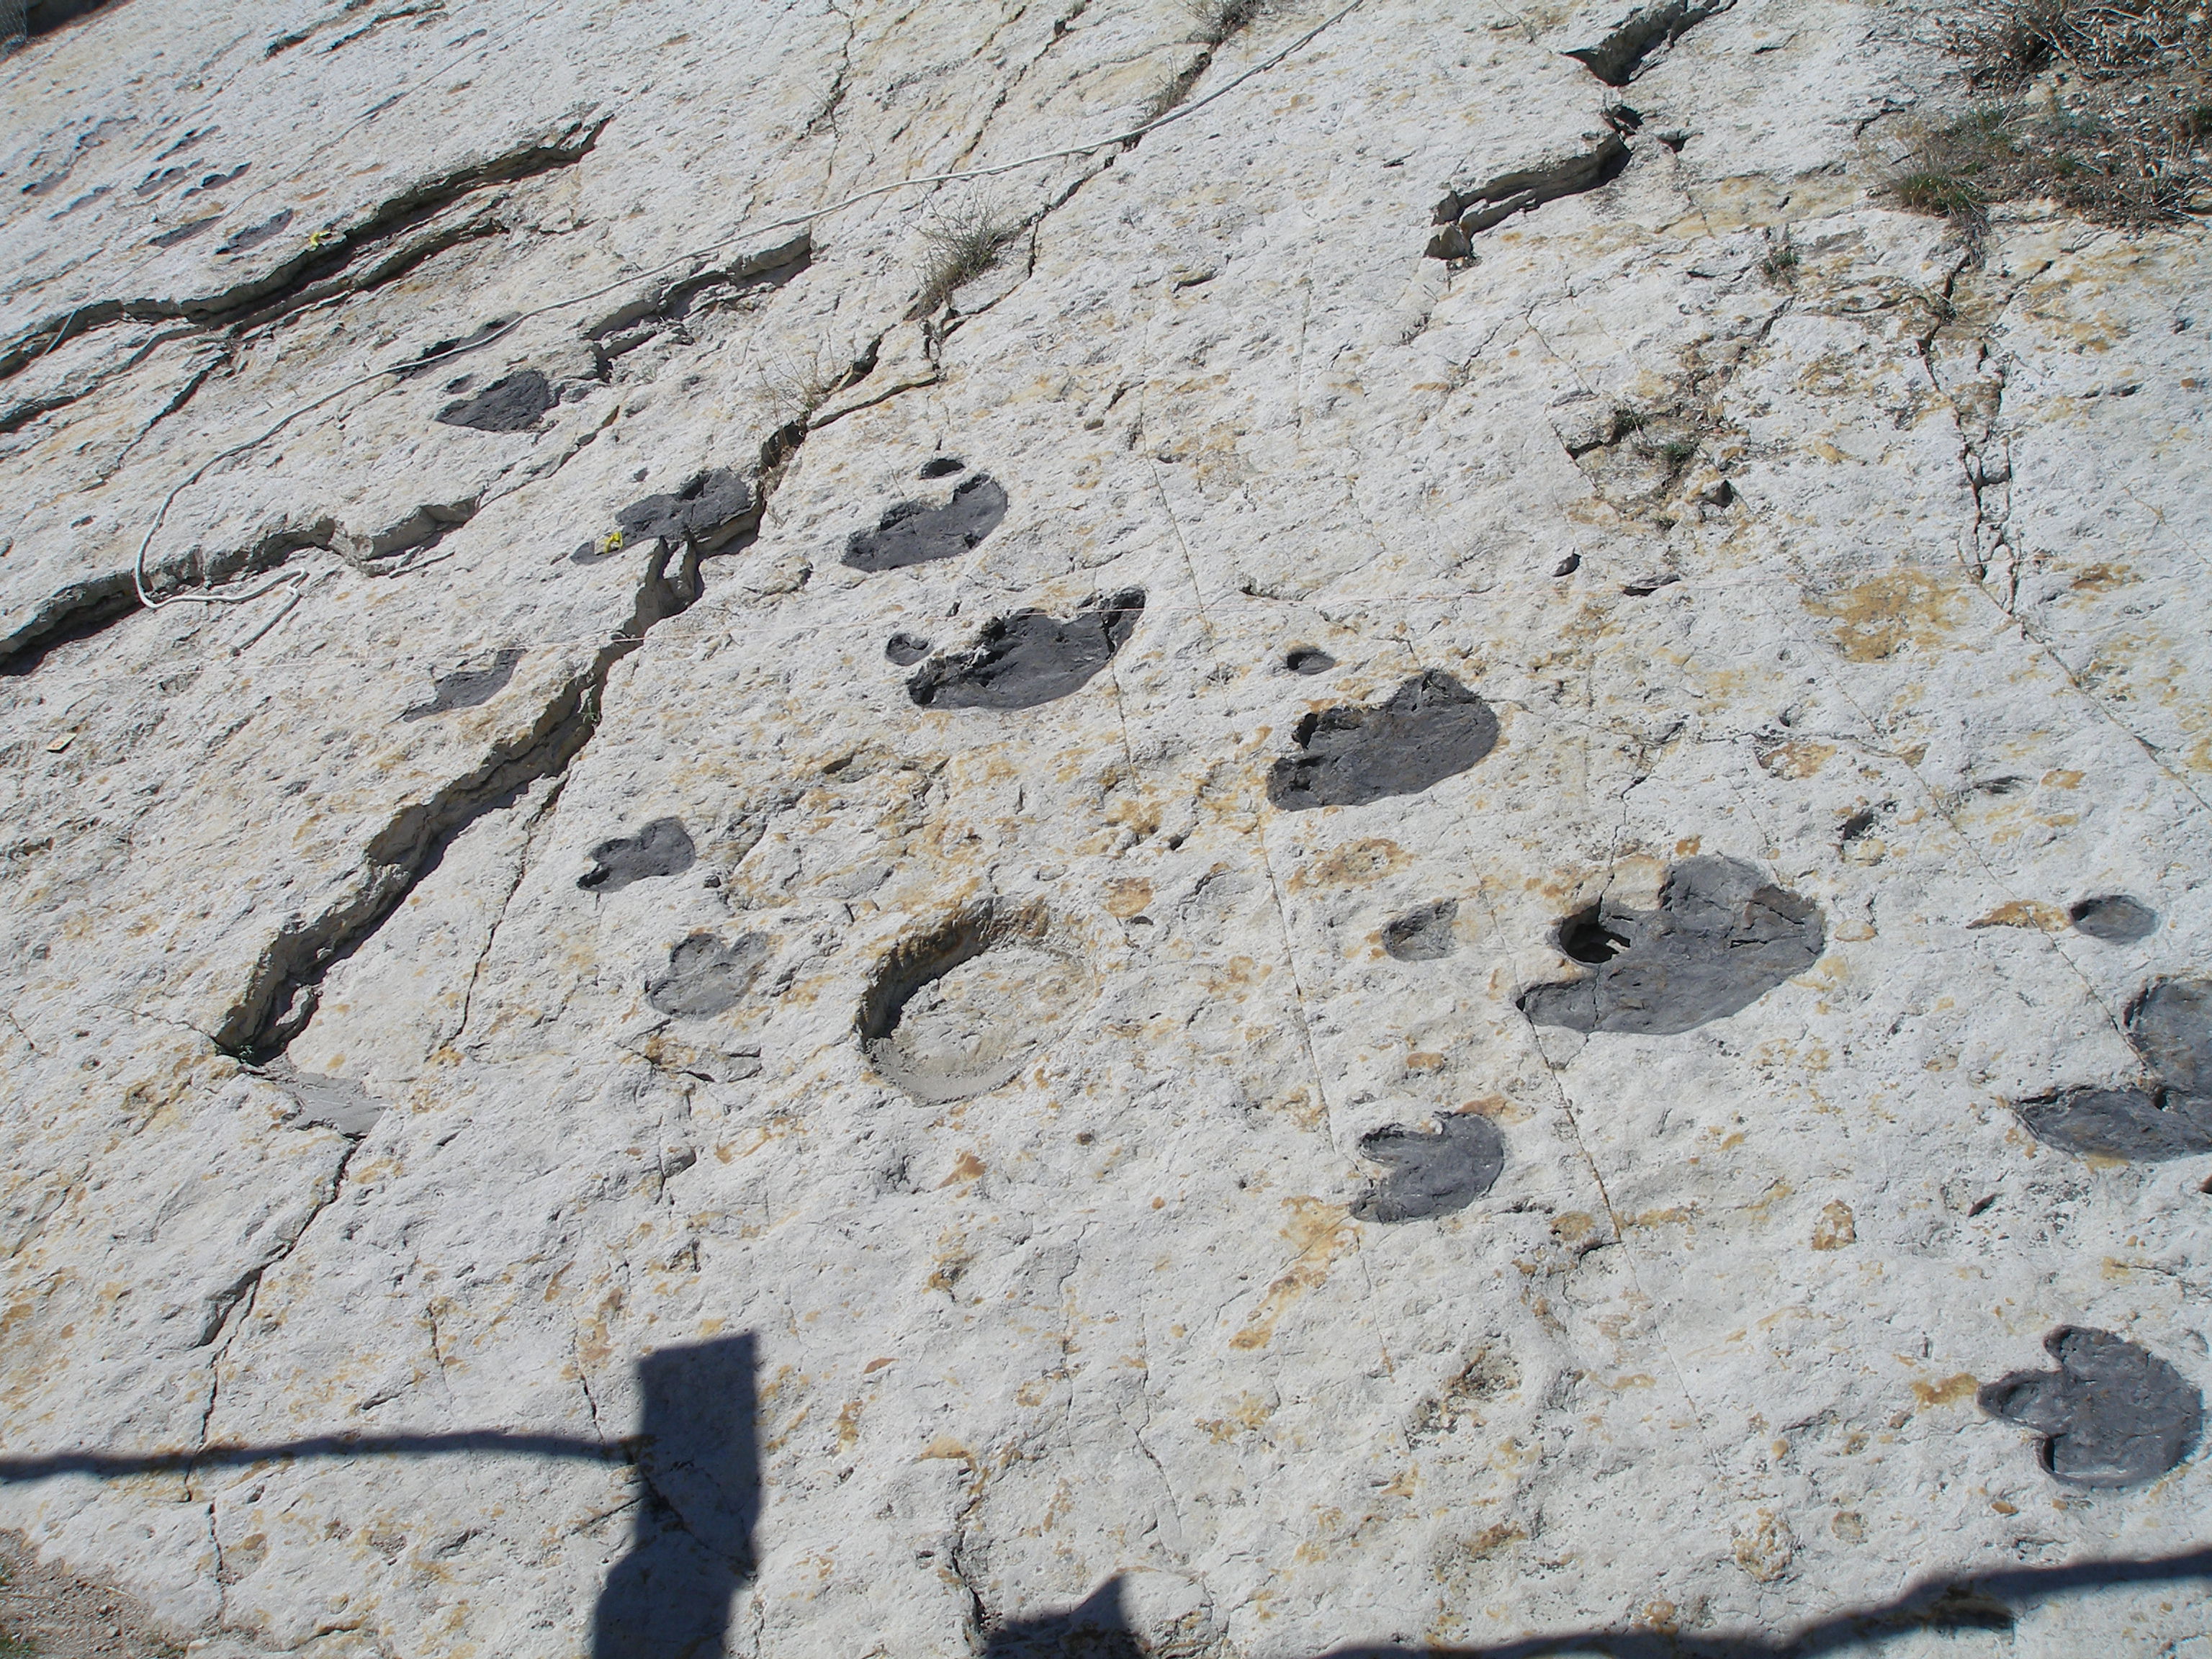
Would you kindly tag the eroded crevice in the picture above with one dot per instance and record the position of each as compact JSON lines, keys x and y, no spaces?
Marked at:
{"x":377,"y":251}
{"x":1467,"y":212}
{"x":1625,"y":52}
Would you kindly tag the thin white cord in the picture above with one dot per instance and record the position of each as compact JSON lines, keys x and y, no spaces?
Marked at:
{"x":139,"y":565}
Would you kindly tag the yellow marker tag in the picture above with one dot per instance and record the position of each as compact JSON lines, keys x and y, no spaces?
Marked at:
{"x":611,"y":542}
{"x":61,"y":743}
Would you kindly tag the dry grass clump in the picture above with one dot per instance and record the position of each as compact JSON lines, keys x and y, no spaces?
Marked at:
{"x":1219,"y":21}
{"x":795,"y":385}
{"x":2105,"y":108}
{"x":965,"y":239}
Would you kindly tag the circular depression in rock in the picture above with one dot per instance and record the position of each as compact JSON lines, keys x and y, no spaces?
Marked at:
{"x":966,"y":1007}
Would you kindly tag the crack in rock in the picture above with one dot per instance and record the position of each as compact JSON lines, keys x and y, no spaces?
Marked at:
{"x":2112,"y":1414}
{"x":1467,"y":212}
{"x":1429,"y":729}
{"x":1722,"y":937}
{"x":1622,"y":54}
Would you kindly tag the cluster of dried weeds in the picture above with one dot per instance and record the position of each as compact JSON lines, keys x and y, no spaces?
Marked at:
{"x":2105,"y":108}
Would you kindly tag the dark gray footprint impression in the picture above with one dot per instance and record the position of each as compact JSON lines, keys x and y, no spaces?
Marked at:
{"x":1722,"y":937}
{"x":1422,"y":935}
{"x":1431,"y":1173}
{"x":1429,"y":729}
{"x":513,"y":404}
{"x":714,"y":501}
{"x":2114,"y":918}
{"x":1029,"y":658}
{"x":706,"y":976}
{"x":2112,"y":1414}
{"x":662,"y":848}
{"x":2168,"y":1116}
{"x":467,"y":688}
{"x":914,"y":532}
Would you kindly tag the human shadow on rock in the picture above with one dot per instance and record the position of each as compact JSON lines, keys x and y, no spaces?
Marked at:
{"x":1938,"y":1605}
{"x":1097,"y":1628}
{"x":691,"y":1543}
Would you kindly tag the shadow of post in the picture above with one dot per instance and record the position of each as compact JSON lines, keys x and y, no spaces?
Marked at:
{"x":691,"y":1543}
{"x":1097,"y":1628}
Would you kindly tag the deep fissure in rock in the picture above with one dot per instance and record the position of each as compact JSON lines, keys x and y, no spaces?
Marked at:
{"x":1466,"y":213}
{"x":1029,"y":658}
{"x":1429,"y":729}
{"x":2112,"y":1414}
{"x":1721,"y":937}
{"x":1617,"y":59}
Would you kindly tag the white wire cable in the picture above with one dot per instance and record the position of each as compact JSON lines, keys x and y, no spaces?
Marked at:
{"x":743,"y":234}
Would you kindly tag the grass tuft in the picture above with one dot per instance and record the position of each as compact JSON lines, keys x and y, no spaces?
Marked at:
{"x":1221,"y":20}
{"x":965,"y":239}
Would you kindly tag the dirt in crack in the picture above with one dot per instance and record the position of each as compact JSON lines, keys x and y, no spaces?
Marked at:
{"x":1430,"y":1172}
{"x":1721,"y":937}
{"x":968,"y":1005}
{"x":1029,"y":658}
{"x":707,"y":975}
{"x":1624,"y":54}
{"x":662,"y":848}
{"x":2167,"y":1114}
{"x":914,"y":532}
{"x":1429,"y":729}
{"x":2112,"y":1414}
{"x":1467,"y":211}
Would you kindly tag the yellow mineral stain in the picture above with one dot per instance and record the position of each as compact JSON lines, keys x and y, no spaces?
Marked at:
{"x":1880,"y":616}
{"x":1948,"y":1392}
{"x":2024,"y":913}
{"x":1128,"y":896}
{"x":1320,"y":1232}
{"x":1835,"y":1228}
{"x":1354,"y":865}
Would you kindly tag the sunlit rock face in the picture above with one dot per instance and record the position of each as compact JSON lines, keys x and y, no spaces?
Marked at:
{"x":1418,"y":867}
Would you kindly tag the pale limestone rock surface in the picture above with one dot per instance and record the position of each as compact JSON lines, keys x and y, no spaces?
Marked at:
{"x":986,"y":1085}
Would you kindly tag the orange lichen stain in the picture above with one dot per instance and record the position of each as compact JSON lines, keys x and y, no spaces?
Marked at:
{"x":2099,"y":578}
{"x":2003,"y":1507}
{"x":1498,"y":1110}
{"x":1573,"y":1227}
{"x":1128,"y":895}
{"x":1354,"y":865}
{"x":1319,"y":1231}
{"x":1835,"y":1228}
{"x":946,"y":1449}
{"x":1422,"y":1062}
{"x":1948,"y":1392}
{"x":1688,"y":846}
{"x":875,"y":1366}
{"x":849,"y":1424}
{"x":2061,"y":778}
{"x":1245,"y":1417}
{"x":1880,"y":616}
{"x":967,"y":1167}
{"x":1633,"y":1380}
{"x":1660,"y":1617}
{"x":2024,"y":913}
{"x":1800,"y":759}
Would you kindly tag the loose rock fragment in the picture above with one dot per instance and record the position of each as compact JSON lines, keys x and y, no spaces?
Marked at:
{"x":1431,"y":1173}
{"x":706,"y":976}
{"x":1029,"y":658}
{"x":468,"y":688}
{"x":967,"y":1007}
{"x":913,"y":532}
{"x":1422,"y":935}
{"x":2114,"y":918}
{"x":1722,"y":937}
{"x":513,"y":404}
{"x":1429,"y":729}
{"x":2112,"y":1414}
{"x":662,"y":848}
